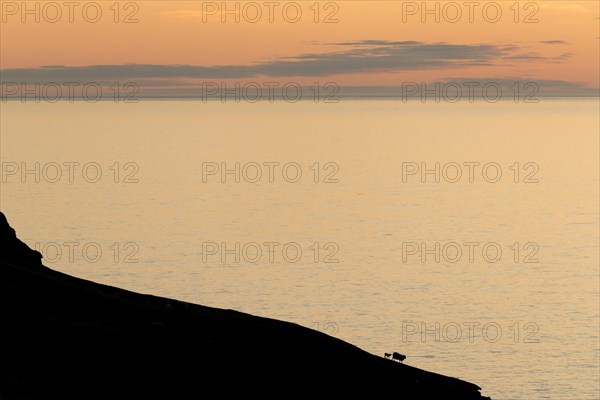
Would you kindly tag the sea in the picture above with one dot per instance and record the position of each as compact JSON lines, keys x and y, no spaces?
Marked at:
{"x":464,"y":235}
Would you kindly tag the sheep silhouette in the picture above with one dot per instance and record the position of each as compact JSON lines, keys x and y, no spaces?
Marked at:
{"x":387,"y":355}
{"x":398,"y":357}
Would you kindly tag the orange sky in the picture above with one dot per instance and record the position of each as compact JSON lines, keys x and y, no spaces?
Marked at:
{"x":174,"y":33}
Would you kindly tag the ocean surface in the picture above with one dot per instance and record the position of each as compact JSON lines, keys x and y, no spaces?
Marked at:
{"x":463,"y":235}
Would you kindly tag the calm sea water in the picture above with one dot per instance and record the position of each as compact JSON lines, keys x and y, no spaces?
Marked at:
{"x":348,"y":247}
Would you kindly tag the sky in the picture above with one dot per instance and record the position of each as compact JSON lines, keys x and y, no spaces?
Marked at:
{"x":180,"y":44}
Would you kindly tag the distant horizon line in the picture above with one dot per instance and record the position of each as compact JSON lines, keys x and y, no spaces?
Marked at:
{"x":490,"y":91}
{"x":303,"y":100}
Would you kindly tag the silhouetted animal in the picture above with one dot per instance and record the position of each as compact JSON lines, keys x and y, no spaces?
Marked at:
{"x":398,"y":357}
{"x":387,"y":355}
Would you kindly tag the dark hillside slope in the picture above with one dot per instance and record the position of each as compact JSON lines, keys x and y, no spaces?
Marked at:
{"x":66,"y":338}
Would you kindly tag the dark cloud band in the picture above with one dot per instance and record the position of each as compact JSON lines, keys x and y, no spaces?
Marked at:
{"x":368,"y":56}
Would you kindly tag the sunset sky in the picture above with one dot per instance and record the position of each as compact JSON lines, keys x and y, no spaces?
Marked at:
{"x":373,"y":43}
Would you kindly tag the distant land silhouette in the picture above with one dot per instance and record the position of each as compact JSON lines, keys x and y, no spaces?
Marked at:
{"x":67,"y":338}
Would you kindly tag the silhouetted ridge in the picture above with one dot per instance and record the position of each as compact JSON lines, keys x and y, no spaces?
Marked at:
{"x":68,"y":338}
{"x":11,"y":248}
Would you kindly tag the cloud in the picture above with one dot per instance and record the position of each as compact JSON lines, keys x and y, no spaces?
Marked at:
{"x":473,"y":88}
{"x":375,"y":43}
{"x":553,"y":42}
{"x":547,"y":86}
{"x":367,"y":56}
{"x":529,"y":88}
